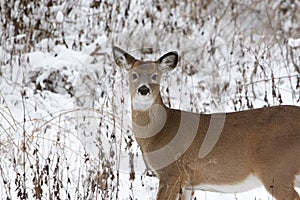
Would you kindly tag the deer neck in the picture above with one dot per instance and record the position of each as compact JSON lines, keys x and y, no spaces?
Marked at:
{"x":147,"y":123}
{"x":150,"y":126}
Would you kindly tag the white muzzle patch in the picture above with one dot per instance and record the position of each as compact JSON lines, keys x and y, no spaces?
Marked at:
{"x":142,"y":102}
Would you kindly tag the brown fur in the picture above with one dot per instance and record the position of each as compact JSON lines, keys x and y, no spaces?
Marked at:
{"x":263,"y":142}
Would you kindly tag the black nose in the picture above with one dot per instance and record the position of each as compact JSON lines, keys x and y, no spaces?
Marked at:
{"x":144,"y":90}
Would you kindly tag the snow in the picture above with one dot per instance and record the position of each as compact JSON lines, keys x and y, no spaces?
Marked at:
{"x":59,"y":17}
{"x":62,"y":95}
{"x":294,"y":43}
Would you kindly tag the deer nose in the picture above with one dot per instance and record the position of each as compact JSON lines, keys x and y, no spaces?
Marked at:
{"x":144,"y":90}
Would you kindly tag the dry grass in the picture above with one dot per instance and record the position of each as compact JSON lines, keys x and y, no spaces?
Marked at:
{"x":235,"y":55}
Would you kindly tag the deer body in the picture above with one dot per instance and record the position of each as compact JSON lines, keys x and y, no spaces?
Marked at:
{"x":255,"y":147}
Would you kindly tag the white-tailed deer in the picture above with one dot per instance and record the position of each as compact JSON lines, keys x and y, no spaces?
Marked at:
{"x":240,"y":151}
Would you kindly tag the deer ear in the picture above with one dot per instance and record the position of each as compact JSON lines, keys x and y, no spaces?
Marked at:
{"x":168,"y":61}
{"x":122,"y":58}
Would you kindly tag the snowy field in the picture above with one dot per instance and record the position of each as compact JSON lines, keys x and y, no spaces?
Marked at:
{"x":65,"y":125}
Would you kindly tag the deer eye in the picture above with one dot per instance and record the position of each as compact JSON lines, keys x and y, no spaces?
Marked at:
{"x":134,"y":76}
{"x":154,"y":77}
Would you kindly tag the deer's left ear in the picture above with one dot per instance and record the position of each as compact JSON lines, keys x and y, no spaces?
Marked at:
{"x":168,"y":61}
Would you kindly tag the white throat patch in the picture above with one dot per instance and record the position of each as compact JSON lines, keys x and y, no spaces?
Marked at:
{"x":140,"y":102}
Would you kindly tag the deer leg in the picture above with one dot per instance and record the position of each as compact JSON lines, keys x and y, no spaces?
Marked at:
{"x":284,"y":192}
{"x":171,"y":189}
{"x":187,"y":195}
{"x":281,"y":187}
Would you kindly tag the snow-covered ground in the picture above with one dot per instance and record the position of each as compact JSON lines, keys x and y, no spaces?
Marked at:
{"x":65,"y":127}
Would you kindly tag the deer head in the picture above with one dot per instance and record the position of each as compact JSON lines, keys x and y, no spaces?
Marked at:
{"x":144,"y":76}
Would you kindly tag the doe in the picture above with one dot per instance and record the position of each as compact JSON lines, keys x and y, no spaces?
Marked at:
{"x":186,"y":151}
